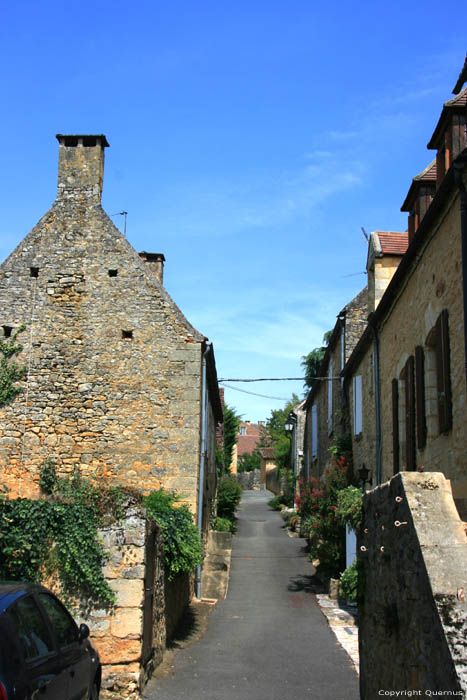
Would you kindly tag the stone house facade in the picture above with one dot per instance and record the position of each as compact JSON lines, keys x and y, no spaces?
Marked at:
{"x":119,"y":384}
{"x":418,"y":331}
{"x":385,"y":251}
{"x":326,"y":415}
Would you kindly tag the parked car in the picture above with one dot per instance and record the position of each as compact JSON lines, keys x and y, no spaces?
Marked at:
{"x":44,"y":655}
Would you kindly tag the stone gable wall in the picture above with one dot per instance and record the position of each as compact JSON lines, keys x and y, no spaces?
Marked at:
{"x":126,"y":409}
{"x":413,"y":620}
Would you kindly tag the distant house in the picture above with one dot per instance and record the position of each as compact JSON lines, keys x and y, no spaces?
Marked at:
{"x":249,"y":435}
{"x":410,"y":362}
{"x":119,"y":384}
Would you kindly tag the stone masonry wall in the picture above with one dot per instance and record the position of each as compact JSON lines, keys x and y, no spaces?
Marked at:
{"x":113,"y":385}
{"x":364,"y":444}
{"x":414,"y":617}
{"x":117,"y":633}
{"x":434,"y":285}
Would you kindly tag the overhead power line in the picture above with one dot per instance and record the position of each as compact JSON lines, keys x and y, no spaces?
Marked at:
{"x":274,"y":379}
{"x":263,"y":396}
{"x":280,"y":379}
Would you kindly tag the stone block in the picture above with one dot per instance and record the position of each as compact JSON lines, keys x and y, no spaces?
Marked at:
{"x":127,"y":624}
{"x":129,"y":593}
{"x":113,"y":650}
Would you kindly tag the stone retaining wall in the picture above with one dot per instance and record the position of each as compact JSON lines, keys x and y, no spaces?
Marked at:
{"x":414,"y":616}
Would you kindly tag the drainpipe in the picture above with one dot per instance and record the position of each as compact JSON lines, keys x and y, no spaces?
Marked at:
{"x":458,"y":176}
{"x":202,"y":456}
{"x":377,"y":400}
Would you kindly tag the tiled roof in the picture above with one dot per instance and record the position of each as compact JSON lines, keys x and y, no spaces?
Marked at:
{"x":427,"y":175}
{"x":462,"y":79}
{"x":459,"y":102}
{"x":392,"y":242}
{"x":246,"y":444}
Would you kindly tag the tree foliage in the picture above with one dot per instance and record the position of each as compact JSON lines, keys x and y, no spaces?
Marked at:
{"x":247,"y":463}
{"x":312,"y":362}
{"x":231,"y":423}
{"x":274,"y":433}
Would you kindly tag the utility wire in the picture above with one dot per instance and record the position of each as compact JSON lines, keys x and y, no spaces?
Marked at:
{"x":252,"y":393}
{"x":279,"y":379}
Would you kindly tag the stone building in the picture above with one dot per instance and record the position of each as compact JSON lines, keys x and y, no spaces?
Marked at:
{"x":249,"y":435}
{"x":326,"y":415}
{"x":385,"y":251}
{"x":119,"y":384}
{"x":416,"y":338}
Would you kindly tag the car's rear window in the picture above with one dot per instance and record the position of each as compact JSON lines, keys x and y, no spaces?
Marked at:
{"x":33,"y":634}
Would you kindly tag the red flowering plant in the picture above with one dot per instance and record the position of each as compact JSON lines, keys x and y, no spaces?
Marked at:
{"x":317,"y":504}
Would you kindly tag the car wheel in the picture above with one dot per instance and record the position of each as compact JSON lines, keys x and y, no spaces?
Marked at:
{"x":94,"y":692}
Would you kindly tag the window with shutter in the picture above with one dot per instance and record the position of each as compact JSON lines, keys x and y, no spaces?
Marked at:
{"x":395,"y":426}
{"x":314,"y":430}
{"x":357,"y":405}
{"x":410,"y":445}
{"x":420,"y":396}
{"x":443,"y":372}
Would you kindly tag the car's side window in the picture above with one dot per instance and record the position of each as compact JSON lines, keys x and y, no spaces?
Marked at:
{"x":32,"y":631}
{"x":62,"y":622}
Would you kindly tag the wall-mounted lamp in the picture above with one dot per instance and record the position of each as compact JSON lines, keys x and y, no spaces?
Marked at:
{"x":364,"y":476}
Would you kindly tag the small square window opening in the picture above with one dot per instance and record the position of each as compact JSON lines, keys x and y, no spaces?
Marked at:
{"x":127,"y":335}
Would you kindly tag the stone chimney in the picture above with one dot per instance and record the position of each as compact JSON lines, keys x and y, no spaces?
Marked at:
{"x":155,"y":262}
{"x":80,"y":166}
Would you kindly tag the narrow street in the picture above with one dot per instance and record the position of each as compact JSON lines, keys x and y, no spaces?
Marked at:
{"x":268,"y":640}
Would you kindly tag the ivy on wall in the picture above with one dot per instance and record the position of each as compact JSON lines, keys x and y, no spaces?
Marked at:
{"x":59,"y":534}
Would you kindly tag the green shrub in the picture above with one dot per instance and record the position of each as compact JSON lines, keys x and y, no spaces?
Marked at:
{"x":228,"y":497}
{"x":349,"y":507}
{"x":352,"y":582}
{"x":276,"y":503}
{"x":224,"y":525}
{"x":183,"y":550}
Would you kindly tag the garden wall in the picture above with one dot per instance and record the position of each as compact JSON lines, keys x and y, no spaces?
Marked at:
{"x":130,"y":637}
{"x":413,"y":629}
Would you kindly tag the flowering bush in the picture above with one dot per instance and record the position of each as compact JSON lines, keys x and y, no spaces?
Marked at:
{"x":317,"y":504}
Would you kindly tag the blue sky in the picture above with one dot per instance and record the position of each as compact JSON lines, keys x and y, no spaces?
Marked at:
{"x":250,"y":141}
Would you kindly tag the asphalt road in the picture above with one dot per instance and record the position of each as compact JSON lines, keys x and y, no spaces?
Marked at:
{"x":268,"y":640}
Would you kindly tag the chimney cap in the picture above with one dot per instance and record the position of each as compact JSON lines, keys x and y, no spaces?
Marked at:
{"x":152,"y":257}
{"x":87,"y":139}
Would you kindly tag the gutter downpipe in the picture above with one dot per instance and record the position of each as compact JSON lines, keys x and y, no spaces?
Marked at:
{"x":377,"y":400}
{"x":458,"y":177}
{"x":202,"y":457}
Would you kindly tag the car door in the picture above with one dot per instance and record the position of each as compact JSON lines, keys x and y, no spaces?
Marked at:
{"x":75,"y":653}
{"x":42,"y":677}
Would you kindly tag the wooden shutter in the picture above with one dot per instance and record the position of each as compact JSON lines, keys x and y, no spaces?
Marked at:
{"x":443,"y":372}
{"x":395,"y":425}
{"x":420,"y":396}
{"x":410,"y":414}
